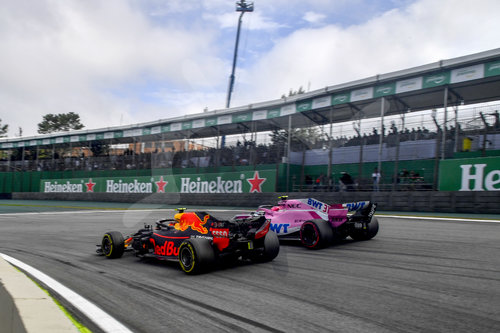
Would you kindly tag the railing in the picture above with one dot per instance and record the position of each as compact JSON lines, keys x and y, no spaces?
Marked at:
{"x":408,"y":184}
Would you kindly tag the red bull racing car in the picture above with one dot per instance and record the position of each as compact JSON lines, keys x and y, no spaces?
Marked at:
{"x":317,"y":224}
{"x":197,"y":240}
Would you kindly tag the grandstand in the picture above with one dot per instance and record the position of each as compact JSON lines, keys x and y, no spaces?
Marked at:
{"x":443,"y":110}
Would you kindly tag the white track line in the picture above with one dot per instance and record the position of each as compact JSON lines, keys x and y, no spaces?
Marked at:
{"x":439,"y":218}
{"x":91,"y":211}
{"x":94,"y":313}
{"x":87,"y":211}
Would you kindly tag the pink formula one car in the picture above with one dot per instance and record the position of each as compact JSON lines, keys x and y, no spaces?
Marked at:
{"x":318,"y":224}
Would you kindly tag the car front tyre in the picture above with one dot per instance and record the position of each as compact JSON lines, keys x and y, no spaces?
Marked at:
{"x":113,"y":244}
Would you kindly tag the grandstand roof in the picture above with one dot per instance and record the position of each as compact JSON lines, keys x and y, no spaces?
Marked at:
{"x":470,"y":79}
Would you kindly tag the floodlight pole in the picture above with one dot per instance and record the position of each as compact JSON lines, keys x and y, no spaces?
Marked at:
{"x":381,"y":136}
{"x":242,"y":7}
{"x":443,"y":140}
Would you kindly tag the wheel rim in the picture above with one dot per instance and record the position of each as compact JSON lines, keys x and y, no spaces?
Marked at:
{"x":107,"y":246}
{"x":309,"y":235}
{"x":186,"y":257}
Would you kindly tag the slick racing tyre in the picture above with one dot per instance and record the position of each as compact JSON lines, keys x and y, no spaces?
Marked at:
{"x":365,"y":234}
{"x":112,"y":244}
{"x":270,"y":249}
{"x":316,"y":234}
{"x":196,"y":256}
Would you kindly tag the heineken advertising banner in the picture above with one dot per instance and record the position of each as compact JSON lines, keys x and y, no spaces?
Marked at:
{"x":472,"y":174}
{"x":228,"y":182}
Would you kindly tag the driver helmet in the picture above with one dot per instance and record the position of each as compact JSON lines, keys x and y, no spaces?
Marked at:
{"x":177,"y":216}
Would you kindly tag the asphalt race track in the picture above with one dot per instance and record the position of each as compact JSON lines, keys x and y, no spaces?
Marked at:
{"x":414,"y":276}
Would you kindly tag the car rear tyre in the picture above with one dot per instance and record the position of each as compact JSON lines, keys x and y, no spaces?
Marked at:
{"x":365,"y":234}
{"x":270,"y":249}
{"x":196,"y":256}
{"x":316,"y":234}
{"x":113,"y":244}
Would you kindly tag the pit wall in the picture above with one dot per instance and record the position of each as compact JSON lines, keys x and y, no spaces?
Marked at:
{"x":477,"y":202}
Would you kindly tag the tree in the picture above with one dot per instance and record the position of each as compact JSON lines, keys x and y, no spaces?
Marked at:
{"x":59,"y":122}
{"x":3,"y":129}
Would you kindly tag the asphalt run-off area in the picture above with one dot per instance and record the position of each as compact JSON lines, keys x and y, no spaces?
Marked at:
{"x":423,"y":272}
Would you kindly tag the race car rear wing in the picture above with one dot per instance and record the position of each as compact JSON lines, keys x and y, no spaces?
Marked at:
{"x":352,"y":206}
{"x":365,"y":213}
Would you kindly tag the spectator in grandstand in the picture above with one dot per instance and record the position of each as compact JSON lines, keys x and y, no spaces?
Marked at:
{"x":346,"y":182}
{"x":467,"y":144}
{"x":393,"y":129}
{"x":403,"y":175}
{"x":320,"y":182}
{"x":376,"y":180}
{"x":497,"y":120}
{"x":404,"y":179}
{"x":414,"y":179}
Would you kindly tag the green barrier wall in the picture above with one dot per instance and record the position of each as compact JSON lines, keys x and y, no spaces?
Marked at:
{"x":30,"y":181}
{"x":470,"y":174}
{"x":6,"y":182}
{"x":222,"y":182}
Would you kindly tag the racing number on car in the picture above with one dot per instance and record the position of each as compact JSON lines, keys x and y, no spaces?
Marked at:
{"x":325,"y":208}
{"x":322,"y":207}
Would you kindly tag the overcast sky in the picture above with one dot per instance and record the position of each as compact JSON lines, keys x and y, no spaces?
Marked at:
{"x":118,"y":62}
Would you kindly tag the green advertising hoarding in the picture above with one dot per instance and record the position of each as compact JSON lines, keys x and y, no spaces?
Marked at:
{"x":492,"y":68}
{"x":341,"y":98}
{"x":304,"y":105}
{"x":385,"y":90}
{"x":470,"y":174}
{"x":273,"y":113}
{"x":227,"y":182}
{"x":435,"y":80}
{"x":238,"y":118}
